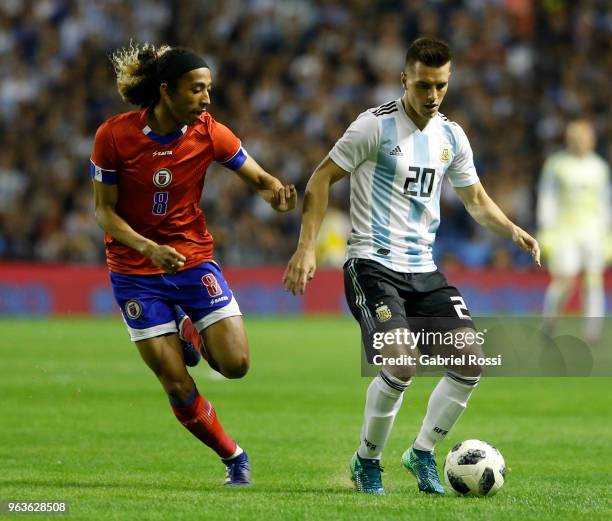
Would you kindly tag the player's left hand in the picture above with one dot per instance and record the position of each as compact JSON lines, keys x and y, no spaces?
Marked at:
{"x":527,"y":243}
{"x":284,"y":199}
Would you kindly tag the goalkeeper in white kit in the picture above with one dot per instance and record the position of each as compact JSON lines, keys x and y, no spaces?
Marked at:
{"x":574,"y":225}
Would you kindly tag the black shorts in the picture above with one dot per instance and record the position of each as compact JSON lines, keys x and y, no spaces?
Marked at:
{"x":382,"y":300}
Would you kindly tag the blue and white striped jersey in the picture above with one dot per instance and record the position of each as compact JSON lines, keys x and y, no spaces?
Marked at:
{"x":396,"y":178}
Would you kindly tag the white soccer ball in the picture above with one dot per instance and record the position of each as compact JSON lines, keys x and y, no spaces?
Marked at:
{"x":474,"y":468}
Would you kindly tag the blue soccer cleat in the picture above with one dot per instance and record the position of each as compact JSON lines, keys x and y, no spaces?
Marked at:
{"x":238,"y":471}
{"x":423,"y":465}
{"x":365,"y":473}
{"x":191,"y":353}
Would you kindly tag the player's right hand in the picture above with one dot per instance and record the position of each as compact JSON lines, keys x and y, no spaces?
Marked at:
{"x":527,"y":243}
{"x":300,"y":270}
{"x":167,"y":258}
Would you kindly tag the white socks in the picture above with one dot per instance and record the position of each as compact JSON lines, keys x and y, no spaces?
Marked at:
{"x":555,"y":296}
{"x":446,"y":403}
{"x":594,"y":305}
{"x":383,"y":401}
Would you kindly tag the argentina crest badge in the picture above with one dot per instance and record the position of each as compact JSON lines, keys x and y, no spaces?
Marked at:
{"x":383,"y":313}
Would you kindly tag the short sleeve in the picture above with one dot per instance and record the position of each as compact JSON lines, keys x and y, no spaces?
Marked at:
{"x":359,"y":142}
{"x":226,"y":146}
{"x":104,"y":161}
{"x":606,"y":169}
{"x":548,"y":176}
{"x":606,"y":195}
{"x":462,"y":171}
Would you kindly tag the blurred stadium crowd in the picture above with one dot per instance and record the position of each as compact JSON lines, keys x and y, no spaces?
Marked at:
{"x":289,"y":77}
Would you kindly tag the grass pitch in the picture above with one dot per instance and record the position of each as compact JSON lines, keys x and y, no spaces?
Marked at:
{"x":82,"y":419}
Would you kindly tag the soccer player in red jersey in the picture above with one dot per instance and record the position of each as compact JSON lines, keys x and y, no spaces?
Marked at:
{"x":148,"y":168}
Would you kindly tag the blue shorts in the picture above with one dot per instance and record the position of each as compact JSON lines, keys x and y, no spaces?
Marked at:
{"x":147,"y":301}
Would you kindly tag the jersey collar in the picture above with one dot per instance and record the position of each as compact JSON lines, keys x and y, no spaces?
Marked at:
{"x":411,"y":123}
{"x":162,"y":139}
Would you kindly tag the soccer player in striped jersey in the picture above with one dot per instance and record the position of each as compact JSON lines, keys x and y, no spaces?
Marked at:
{"x":148,"y":168}
{"x":574,"y":225}
{"x":397,"y":156}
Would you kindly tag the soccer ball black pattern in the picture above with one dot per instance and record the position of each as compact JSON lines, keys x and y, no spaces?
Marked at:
{"x":474,"y":468}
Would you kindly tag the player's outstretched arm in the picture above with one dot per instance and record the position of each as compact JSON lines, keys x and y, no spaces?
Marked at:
{"x":302,"y":265}
{"x":165,"y":257}
{"x":281,"y":198}
{"x":486,"y":213}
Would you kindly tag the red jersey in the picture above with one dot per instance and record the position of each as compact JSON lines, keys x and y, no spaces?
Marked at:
{"x":160,"y":181}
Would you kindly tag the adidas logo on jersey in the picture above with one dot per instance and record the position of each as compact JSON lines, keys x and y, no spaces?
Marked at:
{"x":397,"y":151}
{"x":162,"y":153}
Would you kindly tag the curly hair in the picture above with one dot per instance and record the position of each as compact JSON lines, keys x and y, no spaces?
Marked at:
{"x":136,"y":70}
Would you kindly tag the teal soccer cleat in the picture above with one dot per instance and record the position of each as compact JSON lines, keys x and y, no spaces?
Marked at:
{"x":423,"y":465}
{"x":365,"y":473}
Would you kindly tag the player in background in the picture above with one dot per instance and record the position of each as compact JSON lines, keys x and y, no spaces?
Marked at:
{"x":397,"y":155}
{"x":148,"y":168}
{"x":573,"y":215}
